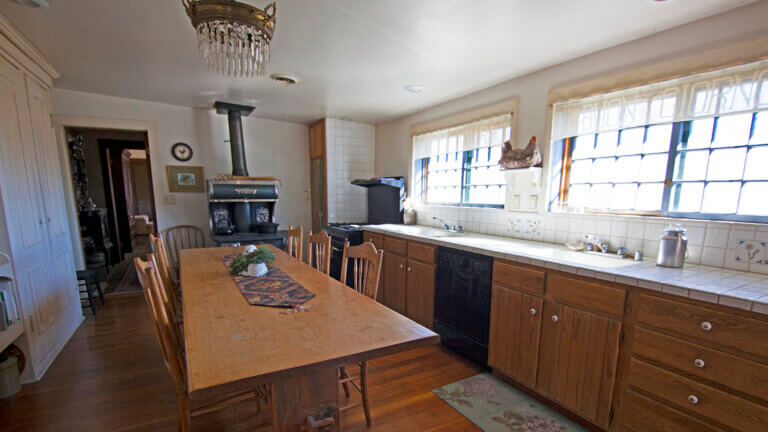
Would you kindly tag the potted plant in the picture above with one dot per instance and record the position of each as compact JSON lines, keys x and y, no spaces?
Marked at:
{"x":252,"y":262}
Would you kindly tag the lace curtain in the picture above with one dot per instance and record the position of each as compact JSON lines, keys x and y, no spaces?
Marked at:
{"x":727,"y":91}
{"x":482,"y":134}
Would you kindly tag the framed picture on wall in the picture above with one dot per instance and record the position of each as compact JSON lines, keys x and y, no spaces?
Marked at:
{"x":185,"y":178}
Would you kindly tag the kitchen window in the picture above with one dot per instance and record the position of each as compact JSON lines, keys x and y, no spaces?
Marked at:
{"x":696,"y":147}
{"x":459,"y":166}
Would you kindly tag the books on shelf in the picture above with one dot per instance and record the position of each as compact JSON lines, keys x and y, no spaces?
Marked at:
{"x":8,"y":311}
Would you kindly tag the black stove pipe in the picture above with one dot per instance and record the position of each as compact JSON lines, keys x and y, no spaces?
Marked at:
{"x":234,"y":114}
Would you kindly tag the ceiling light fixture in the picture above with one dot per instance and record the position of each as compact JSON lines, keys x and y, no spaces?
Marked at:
{"x":283,"y":79}
{"x":33,"y":3}
{"x":233,"y":37}
{"x":414,"y":88}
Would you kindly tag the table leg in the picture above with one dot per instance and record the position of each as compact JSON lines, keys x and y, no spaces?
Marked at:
{"x":295,"y":399}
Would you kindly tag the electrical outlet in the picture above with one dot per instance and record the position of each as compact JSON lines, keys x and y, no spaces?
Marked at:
{"x":169,"y":199}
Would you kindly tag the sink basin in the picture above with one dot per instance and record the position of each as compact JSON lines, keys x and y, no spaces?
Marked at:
{"x":447,"y":234}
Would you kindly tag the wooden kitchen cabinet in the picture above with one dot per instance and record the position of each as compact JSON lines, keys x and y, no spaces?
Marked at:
{"x":578,"y":360}
{"x":420,"y":293}
{"x":395,"y":281}
{"x":515,"y":329}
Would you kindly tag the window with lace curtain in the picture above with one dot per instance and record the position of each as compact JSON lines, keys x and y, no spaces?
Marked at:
{"x":694,"y":147}
{"x":459,"y":166}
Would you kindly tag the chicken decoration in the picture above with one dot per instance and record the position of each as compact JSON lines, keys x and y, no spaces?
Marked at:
{"x":520,"y":158}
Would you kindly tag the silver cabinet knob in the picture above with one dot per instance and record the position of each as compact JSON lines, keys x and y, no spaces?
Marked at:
{"x":409,"y":269}
{"x":699,"y":363}
{"x":401,"y":266}
{"x":533,"y":311}
{"x":693,"y":399}
{"x":555,"y":318}
{"x":706,"y":325}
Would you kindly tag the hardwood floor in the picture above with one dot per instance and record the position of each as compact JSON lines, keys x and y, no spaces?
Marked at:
{"x":111,"y":377}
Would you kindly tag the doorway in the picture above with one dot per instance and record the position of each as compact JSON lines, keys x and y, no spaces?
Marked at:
{"x":112,"y":185}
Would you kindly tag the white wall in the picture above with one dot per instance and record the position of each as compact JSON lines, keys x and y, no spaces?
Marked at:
{"x":393,"y":141}
{"x":349,"y":154}
{"x":273,"y":148}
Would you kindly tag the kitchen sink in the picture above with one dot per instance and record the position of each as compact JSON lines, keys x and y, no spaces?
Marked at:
{"x":447,"y":234}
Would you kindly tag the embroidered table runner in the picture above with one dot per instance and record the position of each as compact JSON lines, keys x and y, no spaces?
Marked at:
{"x":275,"y":288}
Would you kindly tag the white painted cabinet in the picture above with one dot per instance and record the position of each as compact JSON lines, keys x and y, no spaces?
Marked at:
{"x":33,"y":223}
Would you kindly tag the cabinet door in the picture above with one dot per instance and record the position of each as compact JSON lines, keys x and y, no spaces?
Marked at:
{"x":577,"y":365}
{"x":394,"y":282}
{"x":513,"y":348}
{"x":20,"y":191}
{"x":420,"y":293}
{"x":63,"y":285}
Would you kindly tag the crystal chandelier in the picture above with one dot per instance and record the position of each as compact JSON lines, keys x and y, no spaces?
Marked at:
{"x":233,"y":37}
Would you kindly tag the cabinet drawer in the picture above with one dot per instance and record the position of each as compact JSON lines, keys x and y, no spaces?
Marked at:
{"x":376,"y":239}
{"x":394,"y":245}
{"x":595,"y":296}
{"x":726,"y":369}
{"x":421,"y":252}
{"x":640,"y":414}
{"x":704,"y":324}
{"x":519,"y":277}
{"x":701,"y":400}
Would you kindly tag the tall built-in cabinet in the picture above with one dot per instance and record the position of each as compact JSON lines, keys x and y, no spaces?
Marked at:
{"x":33,"y":222}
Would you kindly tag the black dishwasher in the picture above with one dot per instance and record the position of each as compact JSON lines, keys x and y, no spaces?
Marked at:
{"x":463,"y":302}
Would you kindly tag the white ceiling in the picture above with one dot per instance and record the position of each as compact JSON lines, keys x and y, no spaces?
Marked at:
{"x":352,"y":57}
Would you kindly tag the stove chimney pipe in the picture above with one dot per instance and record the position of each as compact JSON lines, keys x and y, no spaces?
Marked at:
{"x":237,"y":146}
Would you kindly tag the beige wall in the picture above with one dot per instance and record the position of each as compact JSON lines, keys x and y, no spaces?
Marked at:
{"x":273,"y":148}
{"x":743,"y":24}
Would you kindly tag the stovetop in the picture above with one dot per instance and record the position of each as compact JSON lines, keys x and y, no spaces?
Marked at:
{"x":344,"y":226}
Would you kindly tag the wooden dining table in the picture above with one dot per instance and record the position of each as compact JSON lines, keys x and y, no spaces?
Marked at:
{"x":232,"y":346}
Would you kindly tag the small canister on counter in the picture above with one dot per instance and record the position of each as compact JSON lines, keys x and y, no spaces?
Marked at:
{"x":673,"y":247}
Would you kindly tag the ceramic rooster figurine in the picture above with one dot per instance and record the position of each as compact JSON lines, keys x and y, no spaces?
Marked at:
{"x":520,"y":158}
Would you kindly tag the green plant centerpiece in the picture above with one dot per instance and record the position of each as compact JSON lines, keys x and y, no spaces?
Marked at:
{"x":252,"y":262}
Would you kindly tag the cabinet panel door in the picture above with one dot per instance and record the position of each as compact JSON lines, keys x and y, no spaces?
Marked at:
{"x":420,"y":293}
{"x":578,"y":360}
{"x":394,"y":282}
{"x":63,"y":288}
{"x":515,"y":330}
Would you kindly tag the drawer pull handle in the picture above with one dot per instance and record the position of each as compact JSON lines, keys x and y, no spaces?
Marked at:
{"x":693,"y":399}
{"x":706,"y":325}
{"x":699,"y":363}
{"x":533,"y":311}
{"x":555,"y":318}
{"x":401,"y":266}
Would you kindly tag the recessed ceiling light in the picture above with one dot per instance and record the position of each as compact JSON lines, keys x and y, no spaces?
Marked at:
{"x":414,"y":88}
{"x":283,"y":79}
{"x":33,"y":3}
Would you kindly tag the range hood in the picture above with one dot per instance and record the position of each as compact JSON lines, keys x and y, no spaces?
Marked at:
{"x":235,"y":115}
{"x":396,"y":182}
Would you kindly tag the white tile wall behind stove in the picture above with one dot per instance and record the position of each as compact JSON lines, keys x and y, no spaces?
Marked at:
{"x":349,"y":156}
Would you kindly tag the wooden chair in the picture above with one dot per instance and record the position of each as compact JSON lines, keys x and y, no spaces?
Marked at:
{"x":293,"y":244}
{"x":366,"y":262}
{"x":173,"y":353}
{"x":319,"y":255}
{"x":165,"y":272}
{"x":180,"y":237}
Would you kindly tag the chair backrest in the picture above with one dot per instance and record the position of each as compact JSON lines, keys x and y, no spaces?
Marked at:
{"x":366,"y":266}
{"x":293,"y":243}
{"x":165,"y":325}
{"x":180,"y":237}
{"x":164,"y":269}
{"x":319,"y":255}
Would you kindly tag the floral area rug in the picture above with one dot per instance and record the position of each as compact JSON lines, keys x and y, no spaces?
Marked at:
{"x":495,"y":406}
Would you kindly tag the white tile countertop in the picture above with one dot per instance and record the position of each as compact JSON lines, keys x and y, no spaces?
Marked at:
{"x":748,"y":291}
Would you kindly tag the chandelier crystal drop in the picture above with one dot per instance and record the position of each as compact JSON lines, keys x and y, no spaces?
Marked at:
{"x":233,"y":37}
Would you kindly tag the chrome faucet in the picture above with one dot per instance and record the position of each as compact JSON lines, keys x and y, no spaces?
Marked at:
{"x":447,"y":227}
{"x":595,"y":244}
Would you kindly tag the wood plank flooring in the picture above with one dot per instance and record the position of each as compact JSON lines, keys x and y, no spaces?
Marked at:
{"x":111,"y":377}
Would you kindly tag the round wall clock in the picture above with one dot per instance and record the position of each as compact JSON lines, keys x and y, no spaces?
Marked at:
{"x":181,"y":151}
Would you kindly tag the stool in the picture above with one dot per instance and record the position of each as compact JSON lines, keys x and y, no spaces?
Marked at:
{"x":87,"y":279}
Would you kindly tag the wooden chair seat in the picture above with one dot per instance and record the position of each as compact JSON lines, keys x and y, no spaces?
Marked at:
{"x":170,"y":340}
{"x":366,"y":268}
